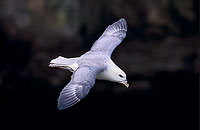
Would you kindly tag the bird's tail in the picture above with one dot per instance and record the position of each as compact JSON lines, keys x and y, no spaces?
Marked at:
{"x":64,"y":63}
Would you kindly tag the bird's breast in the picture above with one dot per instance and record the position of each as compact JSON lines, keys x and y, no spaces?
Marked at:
{"x":102,"y":75}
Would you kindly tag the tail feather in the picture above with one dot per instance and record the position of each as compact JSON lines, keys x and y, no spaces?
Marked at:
{"x":64,"y":63}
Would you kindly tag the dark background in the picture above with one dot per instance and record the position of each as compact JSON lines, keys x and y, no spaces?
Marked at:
{"x":160,"y":56}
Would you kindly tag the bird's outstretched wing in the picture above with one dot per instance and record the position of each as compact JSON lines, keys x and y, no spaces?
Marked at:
{"x":81,"y":82}
{"x":111,"y":38}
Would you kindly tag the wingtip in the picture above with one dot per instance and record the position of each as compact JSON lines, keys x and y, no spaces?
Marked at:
{"x":60,"y":109}
{"x":66,"y":100}
{"x":66,"y":106}
{"x":123,"y":22}
{"x":122,"y":19}
{"x":118,"y":29}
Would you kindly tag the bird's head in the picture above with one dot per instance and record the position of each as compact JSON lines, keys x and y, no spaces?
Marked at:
{"x":120,"y":77}
{"x":113,"y":73}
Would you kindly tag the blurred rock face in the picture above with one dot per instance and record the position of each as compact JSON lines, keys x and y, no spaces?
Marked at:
{"x":69,"y":17}
{"x":162,"y":35}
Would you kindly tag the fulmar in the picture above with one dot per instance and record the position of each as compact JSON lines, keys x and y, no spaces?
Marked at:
{"x":94,"y":64}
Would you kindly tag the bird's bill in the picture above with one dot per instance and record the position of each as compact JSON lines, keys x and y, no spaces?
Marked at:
{"x":125,"y":83}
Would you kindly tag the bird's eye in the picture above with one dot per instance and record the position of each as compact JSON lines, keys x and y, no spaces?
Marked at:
{"x":120,"y":76}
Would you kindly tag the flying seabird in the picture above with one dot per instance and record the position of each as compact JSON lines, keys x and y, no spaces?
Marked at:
{"x":94,"y":64}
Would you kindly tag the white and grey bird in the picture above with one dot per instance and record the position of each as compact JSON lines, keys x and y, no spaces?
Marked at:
{"x":94,"y":64}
